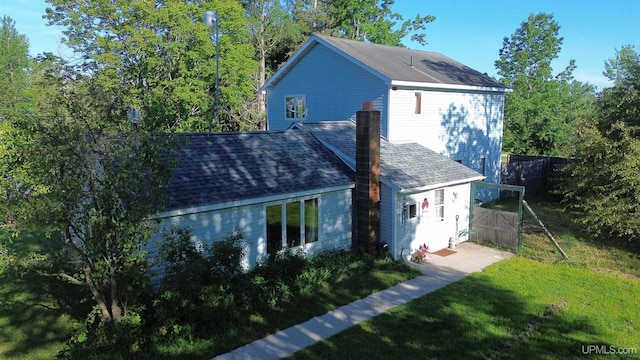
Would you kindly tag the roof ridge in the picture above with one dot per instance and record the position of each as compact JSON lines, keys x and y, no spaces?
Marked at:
{"x":399,"y":47}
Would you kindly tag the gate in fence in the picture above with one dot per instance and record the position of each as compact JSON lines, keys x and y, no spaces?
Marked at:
{"x":498,"y":227}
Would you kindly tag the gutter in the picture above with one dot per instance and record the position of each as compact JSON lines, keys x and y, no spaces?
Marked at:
{"x":441,"y":86}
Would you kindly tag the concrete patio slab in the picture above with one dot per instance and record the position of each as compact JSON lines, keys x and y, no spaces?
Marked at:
{"x":469,"y":258}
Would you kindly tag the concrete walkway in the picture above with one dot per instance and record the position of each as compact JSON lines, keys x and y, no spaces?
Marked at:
{"x":438,"y":271}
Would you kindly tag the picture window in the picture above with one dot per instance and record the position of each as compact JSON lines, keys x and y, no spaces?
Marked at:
{"x":289,"y":223}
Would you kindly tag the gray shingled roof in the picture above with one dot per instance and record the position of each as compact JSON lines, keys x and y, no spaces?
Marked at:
{"x":223,"y":167}
{"x":395,"y":63}
{"x":405,"y":166}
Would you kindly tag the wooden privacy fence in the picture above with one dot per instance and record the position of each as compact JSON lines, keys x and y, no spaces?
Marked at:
{"x":496,"y":227}
{"x":535,"y":173}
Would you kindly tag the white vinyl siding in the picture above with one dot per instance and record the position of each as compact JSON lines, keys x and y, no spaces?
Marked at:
{"x":333,"y":225}
{"x":444,"y":211}
{"x":463,"y":126}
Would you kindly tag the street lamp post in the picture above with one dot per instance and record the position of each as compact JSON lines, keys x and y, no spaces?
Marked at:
{"x":211,"y":20}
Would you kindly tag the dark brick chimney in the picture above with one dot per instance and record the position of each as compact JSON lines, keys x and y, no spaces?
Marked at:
{"x":367,"y":192}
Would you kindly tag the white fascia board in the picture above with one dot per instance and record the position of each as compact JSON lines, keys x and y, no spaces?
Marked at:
{"x":439,"y":86}
{"x":304,"y":49}
{"x":247,"y":202}
{"x":440,"y":185}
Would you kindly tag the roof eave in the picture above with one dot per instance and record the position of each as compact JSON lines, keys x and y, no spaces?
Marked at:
{"x":441,"y":86}
{"x":247,"y":202}
{"x":441,"y":185}
{"x":306,"y":47}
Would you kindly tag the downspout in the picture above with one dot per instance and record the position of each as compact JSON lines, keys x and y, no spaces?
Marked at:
{"x":394,"y":234}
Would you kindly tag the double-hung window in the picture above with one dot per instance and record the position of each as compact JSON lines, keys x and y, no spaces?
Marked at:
{"x":439,"y":204}
{"x":295,"y":107}
{"x":291,"y":224}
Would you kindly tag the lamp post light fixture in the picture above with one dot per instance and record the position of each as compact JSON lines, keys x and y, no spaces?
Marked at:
{"x":211,"y":21}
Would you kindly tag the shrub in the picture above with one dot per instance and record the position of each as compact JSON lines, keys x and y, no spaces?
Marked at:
{"x":97,"y":339}
{"x":206,"y":293}
{"x":196,"y":294}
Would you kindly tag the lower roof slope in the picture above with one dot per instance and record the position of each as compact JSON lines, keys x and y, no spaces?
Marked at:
{"x":225,"y":167}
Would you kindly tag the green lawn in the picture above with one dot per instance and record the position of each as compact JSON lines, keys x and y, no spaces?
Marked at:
{"x":534,"y":306}
{"x":518,"y":308}
{"x":256,"y":326}
{"x":36,"y":313}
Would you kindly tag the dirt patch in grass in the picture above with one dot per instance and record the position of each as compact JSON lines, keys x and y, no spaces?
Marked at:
{"x":503,"y":348}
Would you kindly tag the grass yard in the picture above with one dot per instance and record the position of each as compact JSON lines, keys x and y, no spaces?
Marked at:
{"x":357,"y":286}
{"x":602,"y":255}
{"x":535,"y":306}
{"x":518,"y":308}
{"x":36,"y":314}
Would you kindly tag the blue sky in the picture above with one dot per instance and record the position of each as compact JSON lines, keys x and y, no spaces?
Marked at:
{"x":469,"y":31}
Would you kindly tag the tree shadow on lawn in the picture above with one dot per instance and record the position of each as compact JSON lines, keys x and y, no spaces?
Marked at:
{"x":304,"y":307}
{"x":37,"y":313}
{"x":468,"y":319}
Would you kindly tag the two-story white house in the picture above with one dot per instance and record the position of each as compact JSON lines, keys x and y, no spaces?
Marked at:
{"x":424,"y":98}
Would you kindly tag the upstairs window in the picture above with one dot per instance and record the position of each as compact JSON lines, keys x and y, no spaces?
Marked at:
{"x":295,"y":107}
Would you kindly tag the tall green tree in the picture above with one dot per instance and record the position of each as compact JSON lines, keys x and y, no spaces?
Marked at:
{"x":76,"y":164}
{"x":16,"y":97}
{"x":14,"y":66}
{"x":312,"y":16}
{"x":603,"y":180}
{"x":374,"y":21}
{"x":536,"y":121}
{"x":160,"y":53}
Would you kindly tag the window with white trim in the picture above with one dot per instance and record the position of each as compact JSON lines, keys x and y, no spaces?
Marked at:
{"x":295,"y":107}
{"x":291,"y":224}
{"x":439,"y":204}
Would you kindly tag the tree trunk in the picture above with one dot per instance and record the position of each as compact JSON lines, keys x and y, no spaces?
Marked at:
{"x":97,"y":296}
{"x":116,"y":311}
